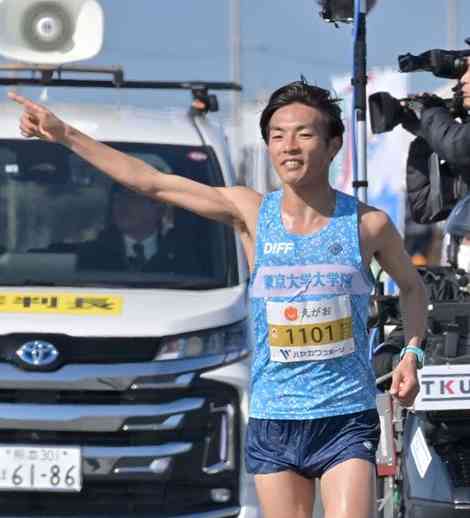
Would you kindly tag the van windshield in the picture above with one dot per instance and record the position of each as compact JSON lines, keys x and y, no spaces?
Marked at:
{"x":64,"y":223}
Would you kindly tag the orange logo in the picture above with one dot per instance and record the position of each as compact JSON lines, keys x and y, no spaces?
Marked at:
{"x":291,"y":313}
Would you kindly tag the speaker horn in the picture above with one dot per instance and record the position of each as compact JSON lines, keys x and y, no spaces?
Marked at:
{"x":51,"y":32}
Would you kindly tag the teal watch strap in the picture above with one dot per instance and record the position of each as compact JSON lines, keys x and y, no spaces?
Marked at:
{"x":417,"y":351}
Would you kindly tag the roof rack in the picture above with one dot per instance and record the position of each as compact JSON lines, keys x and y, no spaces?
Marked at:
{"x":46,"y":75}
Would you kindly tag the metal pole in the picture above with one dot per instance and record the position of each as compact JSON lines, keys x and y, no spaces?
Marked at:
{"x":452,"y":24}
{"x":235,"y":46}
{"x":359,"y":83}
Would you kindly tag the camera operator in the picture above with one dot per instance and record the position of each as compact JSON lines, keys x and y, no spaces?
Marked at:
{"x":434,"y":123}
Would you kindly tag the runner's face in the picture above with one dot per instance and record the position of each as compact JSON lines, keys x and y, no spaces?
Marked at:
{"x":298,"y":145}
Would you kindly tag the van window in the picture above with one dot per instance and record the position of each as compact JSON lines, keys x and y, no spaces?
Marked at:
{"x":64,"y":223}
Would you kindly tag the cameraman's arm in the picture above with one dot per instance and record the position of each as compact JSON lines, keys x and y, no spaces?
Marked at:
{"x":417,"y":181}
{"x":448,"y":138}
{"x":430,"y":185}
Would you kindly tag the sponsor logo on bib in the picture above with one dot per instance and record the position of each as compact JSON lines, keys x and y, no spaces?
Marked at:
{"x":278,"y":248}
{"x":310,"y":330}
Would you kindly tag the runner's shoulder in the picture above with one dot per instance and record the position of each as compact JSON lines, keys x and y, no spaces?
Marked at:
{"x":372,"y":219}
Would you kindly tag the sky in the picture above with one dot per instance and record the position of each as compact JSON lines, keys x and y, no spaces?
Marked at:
{"x":280,"y":40}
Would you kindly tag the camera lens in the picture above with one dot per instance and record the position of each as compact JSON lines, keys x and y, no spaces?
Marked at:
{"x":460,"y":66}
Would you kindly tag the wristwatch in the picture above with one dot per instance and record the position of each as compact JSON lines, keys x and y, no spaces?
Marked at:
{"x":417,"y":351}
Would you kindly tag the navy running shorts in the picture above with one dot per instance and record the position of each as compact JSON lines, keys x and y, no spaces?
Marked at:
{"x":310,"y":447}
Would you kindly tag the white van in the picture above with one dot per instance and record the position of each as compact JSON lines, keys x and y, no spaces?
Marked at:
{"x":123,"y":391}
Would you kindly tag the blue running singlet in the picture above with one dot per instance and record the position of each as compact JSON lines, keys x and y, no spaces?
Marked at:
{"x":309,"y":297}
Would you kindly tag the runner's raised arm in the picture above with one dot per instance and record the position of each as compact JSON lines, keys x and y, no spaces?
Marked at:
{"x":236,"y":206}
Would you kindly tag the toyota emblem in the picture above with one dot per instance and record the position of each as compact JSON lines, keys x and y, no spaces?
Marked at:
{"x":38,"y":353}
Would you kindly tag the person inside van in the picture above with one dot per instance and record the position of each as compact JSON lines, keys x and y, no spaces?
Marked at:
{"x":139,"y":238}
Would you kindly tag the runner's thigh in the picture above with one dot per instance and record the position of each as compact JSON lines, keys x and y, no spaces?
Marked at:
{"x":285,"y":495}
{"x":348,"y":490}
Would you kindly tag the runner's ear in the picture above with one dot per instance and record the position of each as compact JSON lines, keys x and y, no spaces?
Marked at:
{"x":335,"y":146}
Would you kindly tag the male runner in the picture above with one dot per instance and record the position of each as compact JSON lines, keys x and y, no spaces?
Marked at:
{"x":309,"y":247}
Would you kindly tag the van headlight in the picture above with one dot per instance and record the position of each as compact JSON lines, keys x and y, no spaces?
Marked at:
{"x":232,"y":341}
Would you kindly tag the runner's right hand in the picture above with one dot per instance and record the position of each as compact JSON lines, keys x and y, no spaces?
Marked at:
{"x":38,"y":121}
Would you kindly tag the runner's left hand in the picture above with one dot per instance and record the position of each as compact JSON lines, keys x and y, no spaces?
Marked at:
{"x":405,"y":385}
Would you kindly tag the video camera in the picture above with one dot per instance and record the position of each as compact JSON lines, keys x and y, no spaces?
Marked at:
{"x":386,"y":112}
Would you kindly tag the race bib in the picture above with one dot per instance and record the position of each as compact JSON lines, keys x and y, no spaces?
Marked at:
{"x":310,"y":330}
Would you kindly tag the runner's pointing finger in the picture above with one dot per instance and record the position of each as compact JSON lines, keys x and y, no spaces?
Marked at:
{"x":28,"y":105}
{"x":16,"y":97}
{"x":38,"y":121}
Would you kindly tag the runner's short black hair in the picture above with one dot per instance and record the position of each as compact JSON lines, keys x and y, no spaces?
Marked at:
{"x":314,"y":96}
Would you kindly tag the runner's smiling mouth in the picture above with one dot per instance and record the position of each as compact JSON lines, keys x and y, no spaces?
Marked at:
{"x":292,"y":164}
